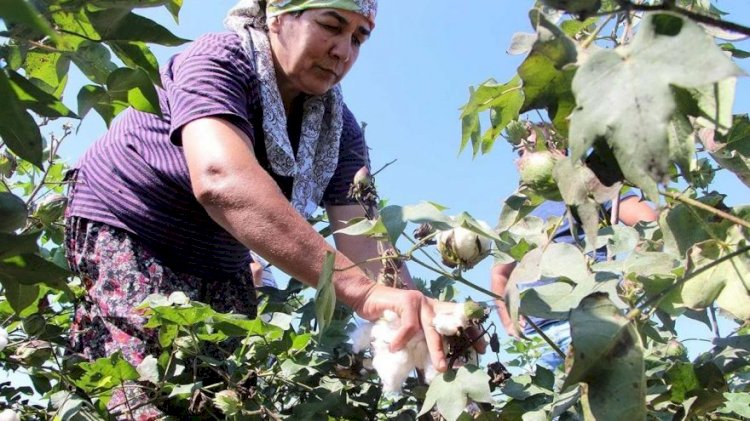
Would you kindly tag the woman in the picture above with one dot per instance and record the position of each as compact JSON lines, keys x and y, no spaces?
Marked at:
{"x":253,"y":136}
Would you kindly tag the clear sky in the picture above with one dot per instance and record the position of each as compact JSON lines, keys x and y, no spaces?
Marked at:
{"x":411,"y":78}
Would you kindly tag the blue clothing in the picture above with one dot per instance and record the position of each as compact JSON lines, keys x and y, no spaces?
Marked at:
{"x":553,"y":209}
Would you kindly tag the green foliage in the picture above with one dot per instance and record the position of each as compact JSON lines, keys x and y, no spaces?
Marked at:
{"x":653,"y":100}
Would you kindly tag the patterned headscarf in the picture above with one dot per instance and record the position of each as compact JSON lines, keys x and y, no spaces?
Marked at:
{"x":322,"y":119}
{"x":367,"y":8}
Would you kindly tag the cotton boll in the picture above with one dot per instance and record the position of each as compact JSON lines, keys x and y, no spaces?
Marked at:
{"x":392,"y":367}
{"x":361,"y":337}
{"x":446,"y":324}
{"x":9,"y":415}
{"x":3,"y":338}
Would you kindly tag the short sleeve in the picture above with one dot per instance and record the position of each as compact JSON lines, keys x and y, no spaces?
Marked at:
{"x":353,"y":155}
{"x":211,"y":78}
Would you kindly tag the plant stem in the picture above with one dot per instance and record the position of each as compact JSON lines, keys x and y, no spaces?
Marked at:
{"x":592,"y":37}
{"x":714,"y":323}
{"x":692,"y":202}
{"x":656,"y":299}
{"x":697,"y":17}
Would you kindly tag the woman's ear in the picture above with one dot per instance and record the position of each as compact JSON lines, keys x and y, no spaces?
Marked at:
{"x":274,"y":24}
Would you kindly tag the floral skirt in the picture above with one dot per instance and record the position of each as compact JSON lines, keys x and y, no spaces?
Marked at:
{"x":118,"y":273}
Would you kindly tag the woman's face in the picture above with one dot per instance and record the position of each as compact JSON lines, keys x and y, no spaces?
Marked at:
{"x":314,"y":50}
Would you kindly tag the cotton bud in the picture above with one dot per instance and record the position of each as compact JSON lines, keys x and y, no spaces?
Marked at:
{"x":9,"y":415}
{"x":228,"y":402}
{"x":3,"y":339}
{"x":462,"y":246}
{"x":516,"y":131}
{"x":535,"y":170}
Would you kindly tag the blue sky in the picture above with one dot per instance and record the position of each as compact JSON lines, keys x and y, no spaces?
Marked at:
{"x":411,"y":79}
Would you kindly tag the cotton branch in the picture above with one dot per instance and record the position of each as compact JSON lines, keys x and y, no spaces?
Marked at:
{"x":669,"y":6}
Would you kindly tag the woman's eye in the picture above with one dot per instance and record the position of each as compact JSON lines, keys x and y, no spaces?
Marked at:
{"x":331,"y":28}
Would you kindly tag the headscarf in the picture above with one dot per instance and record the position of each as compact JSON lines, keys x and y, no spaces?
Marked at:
{"x":322,"y":116}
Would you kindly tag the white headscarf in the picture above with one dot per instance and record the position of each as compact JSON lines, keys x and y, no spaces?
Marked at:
{"x":322,"y":118}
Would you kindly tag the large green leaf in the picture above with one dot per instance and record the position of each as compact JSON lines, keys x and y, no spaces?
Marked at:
{"x":13,"y":212}
{"x":94,"y":60}
{"x":684,"y":226}
{"x":23,"y":12}
{"x":546,"y":79}
{"x":732,"y":151}
{"x":36,"y":99}
{"x":122,"y":25}
{"x":19,"y":296}
{"x":106,"y":373}
{"x":96,"y":97}
{"x":325,"y":295}
{"x":18,"y":129}
{"x":137,"y":55}
{"x":624,"y":94}
{"x":608,"y":358}
{"x":48,"y":70}
{"x":134,"y":87}
{"x":504,"y":102}
{"x":31,"y":269}
{"x":727,"y":283}
{"x":12,"y":244}
{"x":451,"y":391}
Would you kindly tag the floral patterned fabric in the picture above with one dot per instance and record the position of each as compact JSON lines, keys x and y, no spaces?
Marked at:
{"x":118,"y":274}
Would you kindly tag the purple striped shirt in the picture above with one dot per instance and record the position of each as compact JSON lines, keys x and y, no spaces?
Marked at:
{"x":135,"y":177}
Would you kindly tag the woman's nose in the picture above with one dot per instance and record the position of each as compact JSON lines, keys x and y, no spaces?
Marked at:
{"x":342,"y":49}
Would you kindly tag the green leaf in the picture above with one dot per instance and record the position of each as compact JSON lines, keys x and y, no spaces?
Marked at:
{"x":546,"y":79}
{"x":122,"y":25}
{"x":608,"y":358}
{"x":727,"y":283}
{"x":364,"y":226}
{"x":583,"y":191}
{"x":667,"y":50}
{"x":96,"y":97}
{"x":325,"y":296}
{"x":94,"y":60}
{"x":138,"y":56}
{"x":736,"y":403}
{"x":504,"y":102}
{"x":19,"y":296}
{"x":684,"y":226}
{"x":36,"y":99}
{"x":393,"y":220}
{"x":732,"y":151}
{"x":31,"y":269}
{"x":18,"y":129}
{"x":427,"y":212}
{"x":13,"y":245}
{"x":185,"y":390}
{"x":134,"y":87}
{"x":13,"y":212}
{"x":23,"y":12}
{"x":48,"y":70}
{"x":451,"y":391}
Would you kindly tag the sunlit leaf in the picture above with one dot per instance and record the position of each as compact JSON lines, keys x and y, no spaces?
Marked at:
{"x":138,"y":55}
{"x":18,"y":130}
{"x":451,"y":391}
{"x":36,"y":99}
{"x":134,"y":87}
{"x":23,"y":12}
{"x":325,"y":296}
{"x":122,"y":25}
{"x":662,"y":54}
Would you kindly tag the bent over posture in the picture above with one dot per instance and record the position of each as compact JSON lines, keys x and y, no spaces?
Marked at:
{"x":253,"y":136}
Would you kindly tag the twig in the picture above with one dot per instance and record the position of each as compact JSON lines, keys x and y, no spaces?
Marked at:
{"x":669,"y":7}
{"x":714,"y":322}
{"x":692,"y":202}
{"x":384,"y":167}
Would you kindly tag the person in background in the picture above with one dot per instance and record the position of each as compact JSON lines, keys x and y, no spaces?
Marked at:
{"x":631,"y":210}
{"x":253,"y":136}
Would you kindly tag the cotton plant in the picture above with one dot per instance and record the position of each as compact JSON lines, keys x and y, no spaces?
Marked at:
{"x":394,"y":368}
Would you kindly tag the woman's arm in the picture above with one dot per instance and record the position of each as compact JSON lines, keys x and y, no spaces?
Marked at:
{"x":243,"y":198}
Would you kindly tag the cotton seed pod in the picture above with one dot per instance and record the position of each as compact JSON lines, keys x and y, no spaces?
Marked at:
{"x":228,"y":402}
{"x":675,"y":349}
{"x":462,"y":316}
{"x":362,"y":178}
{"x":462,"y":246}
{"x":9,"y":415}
{"x":51,"y":209}
{"x":535,"y":170}
{"x":516,"y":131}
